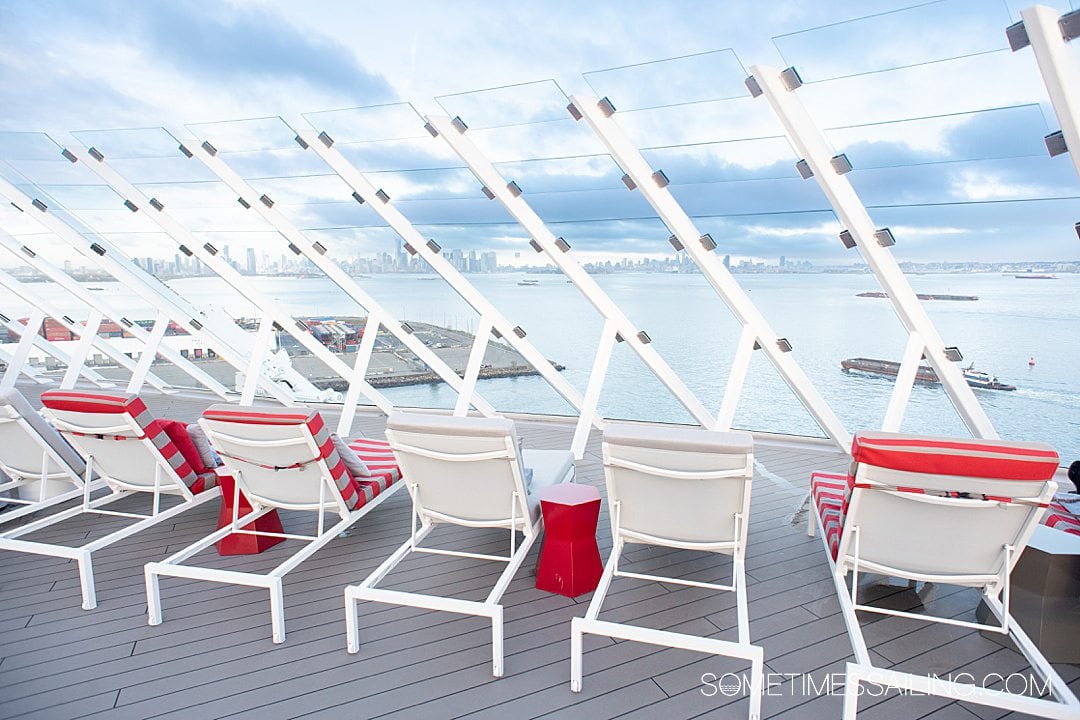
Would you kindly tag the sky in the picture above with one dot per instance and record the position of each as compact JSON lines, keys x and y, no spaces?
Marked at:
{"x":942,"y":123}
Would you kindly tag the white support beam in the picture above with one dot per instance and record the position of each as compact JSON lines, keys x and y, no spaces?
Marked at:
{"x":263,"y":205}
{"x":360,"y":365}
{"x":149,"y":353}
{"x":22,"y":350}
{"x":810,"y":142}
{"x":905,"y":381}
{"x":223,"y":338}
{"x":589,"y":410}
{"x":95,"y":302}
{"x":1059,"y":70}
{"x":419,"y":245}
{"x":263,"y":339}
{"x":8,"y":356}
{"x":32,"y":298}
{"x":740,"y":366}
{"x":472,"y":368}
{"x":564,"y":260}
{"x":80,"y":354}
{"x":72,"y":360}
{"x":679,"y":223}
{"x":189,"y":244}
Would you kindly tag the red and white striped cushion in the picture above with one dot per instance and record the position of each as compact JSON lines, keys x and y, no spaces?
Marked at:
{"x":830,"y":493}
{"x":133,"y":406}
{"x":1059,"y":518}
{"x":350,"y":490}
{"x":991,"y":459}
{"x":380,"y":462}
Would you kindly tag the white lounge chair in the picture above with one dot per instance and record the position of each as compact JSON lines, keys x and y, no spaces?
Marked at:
{"x":681,"y":488}
{"x":132,"y":453}
{"x":43,"y":470}
{"x":939,"y":510}
{"x":467,"y":472}
{"x":280,"y":459}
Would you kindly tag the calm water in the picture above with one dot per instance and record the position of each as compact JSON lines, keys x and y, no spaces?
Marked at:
{"x":1012,"y":321}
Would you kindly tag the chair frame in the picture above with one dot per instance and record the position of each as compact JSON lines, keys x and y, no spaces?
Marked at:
{"x":330,"y":500}
{"x":590,"y":624}
{"x":166,"y":481}
{"x":18,"y":478}
{"x":490,"y":607}
{"x":863,"y":669}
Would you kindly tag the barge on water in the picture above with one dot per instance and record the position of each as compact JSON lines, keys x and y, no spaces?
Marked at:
{"x":922,"y":296}
{"x":925,"y":374}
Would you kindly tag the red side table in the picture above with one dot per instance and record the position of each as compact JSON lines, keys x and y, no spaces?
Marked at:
{"x":236,"y":543}
{"x":570,"y":560}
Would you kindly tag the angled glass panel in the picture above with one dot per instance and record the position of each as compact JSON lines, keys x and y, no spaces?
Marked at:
{"x":725,"y":161}
{"x":391,"y":122}
{"x":571,"y":174}
{"x":269,"y":133}
{"x":536,"y":102}
{"x":1015,"y":131}
{"x":742,"y":118}
{"x":423,"y":153}
{"x":715,"y":75}
{"x":923,"y":33}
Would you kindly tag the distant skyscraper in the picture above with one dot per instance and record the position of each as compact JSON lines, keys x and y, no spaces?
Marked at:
{"x":251,"y":267}
{"x":727,"y":261}
{"x":783,"y":261}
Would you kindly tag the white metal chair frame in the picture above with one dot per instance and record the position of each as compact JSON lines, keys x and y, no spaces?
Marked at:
{"x":736,"y":547}
{"x":490,"y":607}
{"x":991,"y":586}
{"x":330,"y":500}
{"x":166,"y":481}
{"x":21,"y":477}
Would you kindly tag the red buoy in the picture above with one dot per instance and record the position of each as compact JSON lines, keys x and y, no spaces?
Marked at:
{"x":1031,"y":362}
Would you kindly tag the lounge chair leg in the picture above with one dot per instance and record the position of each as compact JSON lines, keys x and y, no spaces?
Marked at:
{"x":756,"y":689}
{"x":277,"y":611}
{"x":497,"y":641}
{"x":851,"y":693}
{"x":153,"y":596}
{"x":86,"y":580}
{"x":352,"y":625}
{"x":575,"y":655}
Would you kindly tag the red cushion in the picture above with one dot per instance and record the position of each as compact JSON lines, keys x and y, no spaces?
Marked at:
{"x":992,"y":459}
{"x":178,"y":433}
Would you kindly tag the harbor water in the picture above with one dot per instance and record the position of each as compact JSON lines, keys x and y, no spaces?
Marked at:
{"x":1011,"y":322}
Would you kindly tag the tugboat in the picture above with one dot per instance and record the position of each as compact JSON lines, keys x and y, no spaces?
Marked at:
{"x":986,"y":381}
{"x":975,"y":378}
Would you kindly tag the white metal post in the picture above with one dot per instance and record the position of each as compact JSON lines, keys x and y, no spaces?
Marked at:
{"x":262,"y":347}
{"x":81,"y":352}
{"x":601,"y":362}
{"x":1060,"y":72}
{"x":356,"y":381}
{"x":149,"y":353}
{"x":472,"y":368}
{"x":323,"y":146}
{"x":102,"y":253}
{"x":558,"y":251}
{"x":102,"y":343}
{"x":740,"y":365}
{"x":678,"y":222}
{"x":74,"y":368}
{"x":905,"y":381}
{"x":314,"y":252}
{"x":211,"y":259}
{"x":22,"y":350}
{"x":92,"y":301}
{"x":811,"y":143}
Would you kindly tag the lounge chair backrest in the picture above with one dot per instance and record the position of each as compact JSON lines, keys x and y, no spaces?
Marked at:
{"x":126,"y":442}
{"x":945,"y":506}
{"x":463,"y":468}
{"x":24,"y":437}
{"x":282,"y":457}
{"x":681,"y":484}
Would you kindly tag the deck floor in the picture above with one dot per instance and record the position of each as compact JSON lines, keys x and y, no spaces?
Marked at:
{"x":213,"y":656}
